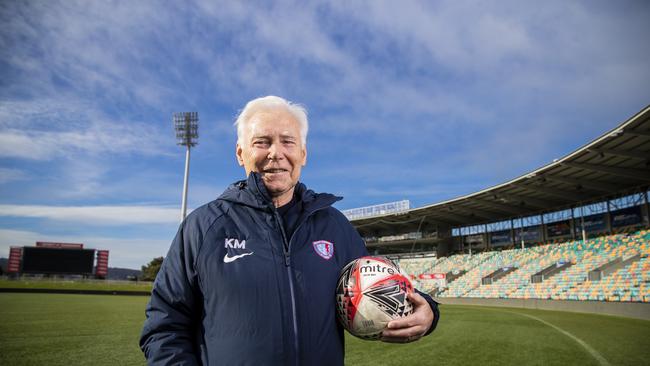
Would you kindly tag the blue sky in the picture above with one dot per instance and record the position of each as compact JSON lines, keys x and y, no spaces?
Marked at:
{"x":418,"y":100}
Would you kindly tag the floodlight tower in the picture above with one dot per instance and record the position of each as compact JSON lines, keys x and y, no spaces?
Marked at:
{"x":186,"y":125}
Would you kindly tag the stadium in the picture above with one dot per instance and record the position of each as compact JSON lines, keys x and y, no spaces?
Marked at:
{"x":573,"y":230}
{"x":497,"y":152}
{"x":548,"y":268}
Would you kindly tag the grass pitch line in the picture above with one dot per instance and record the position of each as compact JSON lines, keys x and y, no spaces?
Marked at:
{"x":589,"y":349}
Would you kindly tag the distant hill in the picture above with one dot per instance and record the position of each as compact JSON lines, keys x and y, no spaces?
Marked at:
{"x":122,"y":273}
{"x":113,"y":272}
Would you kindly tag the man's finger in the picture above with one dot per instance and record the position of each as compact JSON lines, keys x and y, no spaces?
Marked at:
{"x":405,"y":322}
{"x":416,"y":299}
{"x":413,"y":319}
{"x":402,"y":332}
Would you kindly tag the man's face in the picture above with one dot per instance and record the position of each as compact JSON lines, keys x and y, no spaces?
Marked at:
{"x":271,"y":146}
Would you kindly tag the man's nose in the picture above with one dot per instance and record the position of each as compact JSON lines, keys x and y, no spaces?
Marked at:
{"x":274,"y":152}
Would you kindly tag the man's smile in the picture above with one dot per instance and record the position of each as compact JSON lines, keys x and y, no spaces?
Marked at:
{"x":274,"y":171}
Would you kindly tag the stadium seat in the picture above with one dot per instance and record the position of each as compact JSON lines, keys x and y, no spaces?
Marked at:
{"x":628,"y":283}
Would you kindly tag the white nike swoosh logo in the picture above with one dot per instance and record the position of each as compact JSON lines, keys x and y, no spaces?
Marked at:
{"x":227,"y":259}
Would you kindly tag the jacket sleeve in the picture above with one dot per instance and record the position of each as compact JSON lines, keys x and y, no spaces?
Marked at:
{"x":434,"y":307}
{"x":174,"y":308}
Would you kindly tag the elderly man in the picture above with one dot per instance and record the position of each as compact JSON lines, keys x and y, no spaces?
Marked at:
{"x":242,"y":283}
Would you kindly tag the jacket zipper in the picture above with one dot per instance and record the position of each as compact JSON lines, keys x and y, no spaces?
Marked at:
{"x":287,"y":264}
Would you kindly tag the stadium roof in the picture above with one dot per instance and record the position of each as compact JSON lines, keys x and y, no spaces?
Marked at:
{"x":615,"y":163}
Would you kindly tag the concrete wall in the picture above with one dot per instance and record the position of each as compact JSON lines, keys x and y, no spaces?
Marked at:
{"x":626,"y":309}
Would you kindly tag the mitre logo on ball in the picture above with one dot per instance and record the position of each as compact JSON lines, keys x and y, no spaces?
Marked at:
{"x":371,"y":291}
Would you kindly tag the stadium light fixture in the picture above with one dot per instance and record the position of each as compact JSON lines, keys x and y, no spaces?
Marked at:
{"x":186,"y":125}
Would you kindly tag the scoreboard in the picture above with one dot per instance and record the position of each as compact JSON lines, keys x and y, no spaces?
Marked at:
{"x":57,"y":261}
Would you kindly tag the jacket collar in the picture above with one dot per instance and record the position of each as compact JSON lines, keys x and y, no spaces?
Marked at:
{"x":252,"y":192}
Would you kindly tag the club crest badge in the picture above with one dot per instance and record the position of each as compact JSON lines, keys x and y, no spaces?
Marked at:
{"x":324,"y":248}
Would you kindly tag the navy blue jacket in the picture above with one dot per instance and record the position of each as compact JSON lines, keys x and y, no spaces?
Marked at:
{"x":234,"y":290}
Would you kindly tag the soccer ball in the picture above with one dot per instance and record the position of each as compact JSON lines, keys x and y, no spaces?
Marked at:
{"x":371,"y":291}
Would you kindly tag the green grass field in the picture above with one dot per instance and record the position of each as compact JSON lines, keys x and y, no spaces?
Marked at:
{"x":54,"y":329}
{"x":76,"y":284}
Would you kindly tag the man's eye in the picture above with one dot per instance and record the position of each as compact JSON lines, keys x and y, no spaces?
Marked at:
{"x":260,"y":143}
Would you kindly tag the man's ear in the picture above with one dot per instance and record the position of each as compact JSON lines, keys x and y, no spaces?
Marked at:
{"x":304,"y":155}
{"x":238,"y":152}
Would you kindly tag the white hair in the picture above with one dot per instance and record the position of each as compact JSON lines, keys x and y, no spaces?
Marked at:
{"x":267,"y":103}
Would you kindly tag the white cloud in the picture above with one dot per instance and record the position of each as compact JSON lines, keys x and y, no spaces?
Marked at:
{"x":17,"y":238}
{"x":96,"y":215}
{"x":457,"y":36}
{"x":91,"y":49}
{"x":45,"y":129}
{"x":446,"y":84}
{"x":273,"y":48}
{"x":94,"y":139}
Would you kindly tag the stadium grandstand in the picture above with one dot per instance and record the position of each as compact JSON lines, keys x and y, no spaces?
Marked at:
{"x":574,"y":229}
